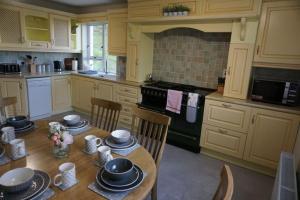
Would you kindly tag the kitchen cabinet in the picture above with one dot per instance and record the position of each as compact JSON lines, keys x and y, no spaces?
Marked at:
{"x":11,"y":27}
{"x":75,"y":36}
{"x":223,"y":140}
{"x":143,"y":9}
{"x":270,"y":133}
{"x":105,"y":90}
{"x":132,"y":61}
{"x":230,"y":7}
{"x":61,"y":94}
{"x":15,"y":88}
{"x":238,"y":70}
{"x":37,"y":29}
{"x":60,"y":32}
{"x":117,"y":31}
{"x":278,"y":41}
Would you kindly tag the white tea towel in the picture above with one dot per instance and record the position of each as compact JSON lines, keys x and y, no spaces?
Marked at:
{"x":193,"y":100}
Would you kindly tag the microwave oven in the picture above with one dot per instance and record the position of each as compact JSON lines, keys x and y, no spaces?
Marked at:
{"x":276,"y":92}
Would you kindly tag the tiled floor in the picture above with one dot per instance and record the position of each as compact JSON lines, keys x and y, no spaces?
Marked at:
{"x":184,"y":175}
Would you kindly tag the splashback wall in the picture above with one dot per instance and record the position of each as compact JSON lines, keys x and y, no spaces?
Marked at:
{"x":190,"y":56}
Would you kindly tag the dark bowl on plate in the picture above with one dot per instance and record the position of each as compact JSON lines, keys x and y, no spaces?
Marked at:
{"x":119,"y":168}
{"x":17,"y":121}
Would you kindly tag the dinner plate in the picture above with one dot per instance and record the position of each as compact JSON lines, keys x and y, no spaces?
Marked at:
{"x":134,"y":185}
{"x":119,"y":183}
{"x":26,"y":128}
{"x":38,"y":183}
{"x":110,"y":142}
{"x":81,"y":124}
{"x":47,"y":183}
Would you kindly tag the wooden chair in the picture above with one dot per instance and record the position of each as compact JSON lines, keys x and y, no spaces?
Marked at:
{"x":151,"y":130}
{"x":6,"y":102}
{"x":105,"y":114}
{"x":225,"y":189}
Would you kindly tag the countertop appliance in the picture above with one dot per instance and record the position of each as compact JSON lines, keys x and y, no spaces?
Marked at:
{"x":181,"y":133}
{"x":276,"y":92}
{"x":68,"y":64}
{"x":39,"y":97}
{"x":58,"y":66}
{"x":9,"y":68}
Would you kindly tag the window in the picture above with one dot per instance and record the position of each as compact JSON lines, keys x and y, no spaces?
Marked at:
{"x":97,"y":49}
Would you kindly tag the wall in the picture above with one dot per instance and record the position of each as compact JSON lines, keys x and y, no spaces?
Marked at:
{"x":42,"y":58}
{"x":190,"y":56}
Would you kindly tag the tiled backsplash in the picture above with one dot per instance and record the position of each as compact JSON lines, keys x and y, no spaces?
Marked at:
{"x":190,"y":56}
{"x":42,"y":58}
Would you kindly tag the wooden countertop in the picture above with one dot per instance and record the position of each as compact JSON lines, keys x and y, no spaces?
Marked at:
{"x":247,"y":102}
{"x":40,"y":157}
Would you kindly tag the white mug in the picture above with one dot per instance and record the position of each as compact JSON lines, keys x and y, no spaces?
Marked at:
{"x":91,"y":143}
{"x":17,"y":148}
{"x":104,"y":154}
{"x":8,"y":134}
{"x":67,"y":175}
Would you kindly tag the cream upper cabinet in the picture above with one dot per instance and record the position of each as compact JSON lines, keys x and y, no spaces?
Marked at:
{"x":238,"y":70}
{"x":105,"y":90}
{"x":278,"y":38}
{"x":143,"y":9}
{"x":117,"y":27}
{"x":15,"y":88}
{"x":60,"y":32}
{"x":230,"y":7}
{"x":132,"y":61}
{"x":11,"y":27}
{"x":270,"y":133}
{"x":61,"y":94}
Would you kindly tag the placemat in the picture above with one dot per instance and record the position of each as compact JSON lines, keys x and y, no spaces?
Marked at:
{"x":46,"y":195}
{"x":4,"y":160}
{"x":79,"y":131}
{"x":27,"y":154}
{"x":125,"y":152}
{"x":63,"y":187}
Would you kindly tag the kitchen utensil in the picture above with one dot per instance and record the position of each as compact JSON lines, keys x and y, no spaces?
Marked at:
{"x":120,"y":136}
{"x":92,"y":143}
{"x":16,"y":180}
{"x":8,"y":134}
{"x":17,"y":148}
{"x":67,"y":175}
{"x":17,"y":121}
{"x":104,"y":154}
{"x":72,"y":119}
{"x":118,"y":168}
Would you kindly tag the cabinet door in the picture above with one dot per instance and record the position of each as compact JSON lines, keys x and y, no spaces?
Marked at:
{"x":132,"y":62}
{"x":270,"y":133}
{"x":117,"y":27}
{"x":61,"y":94}
{"x":87,"y":88}
{"x":238,"y":70}
{"x":278,"y":38}
{"x":75,"y":91}
{"x":231,"y":7}
{"x":222,"y":140}
{"x":60,"y":32}
{"x":105,"y":91}
{"x":143,"y":9}
{"x":15,"y":88}
{"x":11,"y":34}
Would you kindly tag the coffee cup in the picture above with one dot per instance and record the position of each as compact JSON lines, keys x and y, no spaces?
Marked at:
{"x":104,"y":154}
{"x":66,"y":176}
{"x":17,"y":148}
{"x":8,"y":134}
{"x":92,"y":143}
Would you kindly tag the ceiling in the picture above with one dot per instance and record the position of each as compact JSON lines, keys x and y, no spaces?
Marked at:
{"x":84,"y":3}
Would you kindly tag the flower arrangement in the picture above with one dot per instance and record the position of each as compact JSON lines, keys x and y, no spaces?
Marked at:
{"x":176,"y":10}
{"x":59,"y":135}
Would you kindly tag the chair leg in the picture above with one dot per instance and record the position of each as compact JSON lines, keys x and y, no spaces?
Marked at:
{"x":154,"y":191}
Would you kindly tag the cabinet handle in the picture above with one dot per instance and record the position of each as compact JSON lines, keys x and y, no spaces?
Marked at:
{"x":228,"y":71}
{"x":226,"y":105}
{"x":253,"y":119}
{"x":20,"y":86}
{"x":222,"y":131}
{"x":257,"y":50}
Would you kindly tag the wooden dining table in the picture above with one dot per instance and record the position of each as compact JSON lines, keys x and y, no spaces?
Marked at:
{"x":40,"y":157}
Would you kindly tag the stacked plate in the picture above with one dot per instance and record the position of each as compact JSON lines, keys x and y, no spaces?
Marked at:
{"x":119,"y":175}
{"x":120,"y":139}
{"x":20,"y":123}
{"x":24,"y":183}
{"x":74,"y":122}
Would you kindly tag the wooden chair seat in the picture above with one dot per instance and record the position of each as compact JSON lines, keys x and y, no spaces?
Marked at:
{"x":105,"y":114}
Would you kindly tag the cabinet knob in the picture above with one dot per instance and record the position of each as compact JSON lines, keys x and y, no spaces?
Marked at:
{"x":257,"y":50}
{"x":222,"y":131}
{"x":20,"y":86}
{"x":226,"y":105}
{"x":253,"y":119}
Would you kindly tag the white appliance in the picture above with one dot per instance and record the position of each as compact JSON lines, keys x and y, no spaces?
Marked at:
{"x":285,"y":187}
{"x":39,"y":97}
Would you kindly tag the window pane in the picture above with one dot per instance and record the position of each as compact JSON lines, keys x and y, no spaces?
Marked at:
{"x":98,"y":44}
{"x":97,"y":65}
{"x":111,"y":64}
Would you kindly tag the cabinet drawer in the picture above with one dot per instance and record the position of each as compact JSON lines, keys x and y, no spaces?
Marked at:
{"x":226,"y":115}
{"x":128,"y":90}
{"x":124,"y":99}
{"x":222,"y":140}
{"x":126,"y":110}
{"x":125,"y":119}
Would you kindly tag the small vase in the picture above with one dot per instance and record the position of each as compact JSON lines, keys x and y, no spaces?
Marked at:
{"x":61,"y":151}
{"x":166,"y":14}
{"x":185,"y":13}
{"x":175,"y":13}
{"x":180,"y":13}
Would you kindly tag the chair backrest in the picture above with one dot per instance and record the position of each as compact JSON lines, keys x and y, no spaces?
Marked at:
{"x":6,"y":102}
{"x":151,"y":130}
{"x":105,"y":114}
{"x":225,"y":189}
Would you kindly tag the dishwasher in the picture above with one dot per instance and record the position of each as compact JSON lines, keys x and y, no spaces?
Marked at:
{"x":39,"y":97}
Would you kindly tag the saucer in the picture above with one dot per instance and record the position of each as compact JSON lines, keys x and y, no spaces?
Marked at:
{"x":110,"y":142}
{"x":80,"y":124}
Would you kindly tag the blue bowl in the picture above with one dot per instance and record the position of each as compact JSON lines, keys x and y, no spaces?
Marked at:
{"x":119,"y":168}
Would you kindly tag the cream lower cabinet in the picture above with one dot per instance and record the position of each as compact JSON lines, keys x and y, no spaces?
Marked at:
{"x":15,"y":88}
{"x":105,"y":90}
{"x":251,"y":134}
{"x":270,"y":133}
{"x":61,"y":94}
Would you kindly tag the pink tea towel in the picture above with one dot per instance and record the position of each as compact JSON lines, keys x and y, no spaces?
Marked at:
{"x":174,"y":101}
